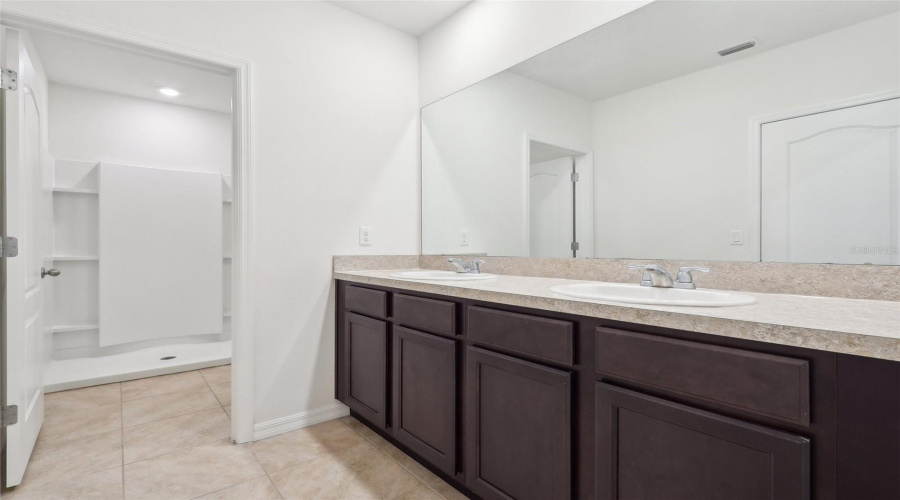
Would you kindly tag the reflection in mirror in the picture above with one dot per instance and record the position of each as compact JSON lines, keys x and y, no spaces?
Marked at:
{"x":735,"y":131}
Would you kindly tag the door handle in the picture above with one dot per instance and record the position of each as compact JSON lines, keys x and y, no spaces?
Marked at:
{"x":52,"y":272}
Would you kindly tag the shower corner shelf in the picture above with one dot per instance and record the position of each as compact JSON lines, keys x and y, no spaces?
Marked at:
{"x":74,"y":328}
{"x":75,"y":190}
{"x":75,"y":257}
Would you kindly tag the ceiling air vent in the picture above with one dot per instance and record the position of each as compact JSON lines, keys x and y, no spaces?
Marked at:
{"x":727,"y":51}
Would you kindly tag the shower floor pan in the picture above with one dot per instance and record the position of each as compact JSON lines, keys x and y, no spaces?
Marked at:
{"x":85,"y":372}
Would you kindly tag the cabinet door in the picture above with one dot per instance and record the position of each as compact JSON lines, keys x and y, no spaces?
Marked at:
{"x":655,"y":449}
{"x":365,"y":363}
{"x":518,"y":428}
{"x":425,"y":396}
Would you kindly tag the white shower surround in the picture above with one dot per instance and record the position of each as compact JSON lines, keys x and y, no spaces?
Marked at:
{"x":160,"y":253}
{"x":80,"y":357}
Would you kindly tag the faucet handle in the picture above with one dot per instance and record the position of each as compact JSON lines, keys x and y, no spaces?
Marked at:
{"x":685,"y":279}
{"x":476,"y":264}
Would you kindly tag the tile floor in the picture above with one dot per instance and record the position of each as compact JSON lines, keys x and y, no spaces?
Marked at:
{"x":168,"y":438}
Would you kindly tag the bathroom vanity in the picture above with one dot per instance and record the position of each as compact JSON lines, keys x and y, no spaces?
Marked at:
{"x":748,"y":139}
{"x":507,"y":390}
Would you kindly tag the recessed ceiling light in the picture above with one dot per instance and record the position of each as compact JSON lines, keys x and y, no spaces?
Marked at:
{"x":167,"y":91}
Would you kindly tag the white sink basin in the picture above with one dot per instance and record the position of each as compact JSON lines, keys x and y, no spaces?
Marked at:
{"x":636,"y":294}
{"x":441,"y":276}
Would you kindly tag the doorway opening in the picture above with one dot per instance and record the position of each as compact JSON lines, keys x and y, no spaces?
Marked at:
{"x":133,"y":215}
{"x":560,"y":201}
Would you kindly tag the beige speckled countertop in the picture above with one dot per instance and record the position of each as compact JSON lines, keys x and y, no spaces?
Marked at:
{"x":851,"y":326}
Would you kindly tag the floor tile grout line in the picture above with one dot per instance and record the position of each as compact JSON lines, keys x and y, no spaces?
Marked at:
{"x":227,"y":487}
{"x":255,"y":457}
{"x":122,"y":441}
{"x":206,"y":385}
{"x":227,"y":439}
{"x":395,"y":460}
{"x":167,"y":393}
{"x":369,"y":442}
{"x":316,"y":457}
{"x":172,"y":417}
{"x":210,"y":386}
{"x":62,"y":479}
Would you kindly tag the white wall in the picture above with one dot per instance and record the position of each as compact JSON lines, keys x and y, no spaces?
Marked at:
{"x":487,"y":37}
{"x":333,"y":146}
{"x":672,"y":159}
{"x":99,"y":126}
{"x":474,"y":149}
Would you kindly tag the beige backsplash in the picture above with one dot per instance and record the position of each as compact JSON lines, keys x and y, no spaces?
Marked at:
{"x":824,"y":280}
{"x":374,"y":262}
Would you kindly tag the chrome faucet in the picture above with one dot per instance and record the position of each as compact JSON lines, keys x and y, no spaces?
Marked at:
{"x":655,"y":276}
{"x":462,"y":266}
{"x":685,"y":279}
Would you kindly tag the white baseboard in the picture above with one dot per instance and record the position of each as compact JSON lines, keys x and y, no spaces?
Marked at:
{"x":299,"y":420}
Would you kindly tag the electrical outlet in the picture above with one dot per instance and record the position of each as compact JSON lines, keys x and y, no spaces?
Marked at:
{"x":463,"y":237}
{"x":737,"y":237}
{"x":366,"y":236}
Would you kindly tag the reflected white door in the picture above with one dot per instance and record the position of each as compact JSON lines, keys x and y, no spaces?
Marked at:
{"x":551,"y":210}
{"x":831,"y":186}
{"x":29,"y":218}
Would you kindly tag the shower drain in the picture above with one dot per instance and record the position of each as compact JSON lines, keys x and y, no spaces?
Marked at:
{"x":166,"y":358}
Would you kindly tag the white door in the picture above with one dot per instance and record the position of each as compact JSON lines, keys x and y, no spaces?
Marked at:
{"x":551,"y":208}
{"x":831,"y":186}
{"x":28,"y":214}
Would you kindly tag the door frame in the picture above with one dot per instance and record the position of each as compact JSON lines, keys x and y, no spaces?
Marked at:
{"x":585,"y":226}
{"x":755,"y":144}
{"x":25,"y":15}
{"x":3,"y":273}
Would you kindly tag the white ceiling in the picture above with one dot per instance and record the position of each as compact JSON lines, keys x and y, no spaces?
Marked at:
{"x":668,"y":39}
{"x":414,"y":17}
{"x":82,"y":63}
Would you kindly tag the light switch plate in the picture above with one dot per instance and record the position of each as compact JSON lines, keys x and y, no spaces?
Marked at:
{"x":737,"y":237}
{"x":366,"y":236}
{"x":463,"y":237}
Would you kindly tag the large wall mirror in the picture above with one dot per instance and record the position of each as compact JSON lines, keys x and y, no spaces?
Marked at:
{"x":696,"y":130}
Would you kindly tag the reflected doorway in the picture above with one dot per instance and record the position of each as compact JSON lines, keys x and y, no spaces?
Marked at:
{"x":560,"y":201}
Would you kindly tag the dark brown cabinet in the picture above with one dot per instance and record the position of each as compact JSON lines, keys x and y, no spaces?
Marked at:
{"x":505,"y":402}
{"x":519,"y":428}
{"x":365,"y":367}
{"x":648,"y":447}
{"x":425,"y":396}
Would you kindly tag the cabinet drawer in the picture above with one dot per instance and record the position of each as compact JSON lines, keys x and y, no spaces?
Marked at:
{"x":366,"y":301}
{"x":548,"y":339}
{"x":437,"y":315}
{"x":763,"y":384}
